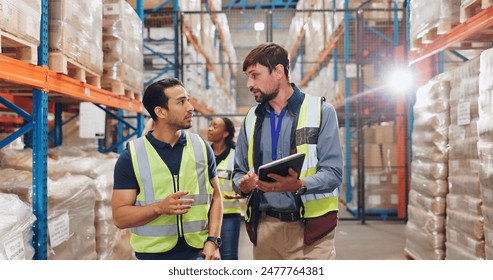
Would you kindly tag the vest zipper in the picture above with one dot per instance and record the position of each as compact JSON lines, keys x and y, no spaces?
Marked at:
{"x":179,"y":220}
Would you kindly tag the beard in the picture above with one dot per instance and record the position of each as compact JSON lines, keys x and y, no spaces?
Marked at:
{"x":180,"y":124}
{"x":266,"y":96}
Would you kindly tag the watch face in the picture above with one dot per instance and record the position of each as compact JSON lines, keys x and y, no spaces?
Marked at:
{"x":301,"y":191}
{"x":217,"y":240}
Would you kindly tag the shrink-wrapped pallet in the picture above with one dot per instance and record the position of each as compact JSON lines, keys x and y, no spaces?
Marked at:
{"x":122,"y":46}
{"x":76,"y":33}
{"x":72,"y":235}
{"x":485,"y":145}
{"x":432,"y":18}
{"x":425,"y":234}
{"x":71,"y":201}
{"x":22,"y":19}
{"x":16,"y":220}
{"x":75,"y":160}
{"x":429,"y":186}
{"x":464,"y":215}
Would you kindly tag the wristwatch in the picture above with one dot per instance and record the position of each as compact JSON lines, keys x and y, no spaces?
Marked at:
{"x":302,"y":189}
{"x":217,"y":240}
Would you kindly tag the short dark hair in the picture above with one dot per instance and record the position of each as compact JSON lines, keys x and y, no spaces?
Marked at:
{"x":155,"y":95}
{"x":268,"y":55}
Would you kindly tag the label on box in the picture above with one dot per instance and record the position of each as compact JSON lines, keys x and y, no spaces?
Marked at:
{"x":374,"y":200}
{"x":473,"y":208}
{"x":452,"y":202}
{"x":471,"y":243}
{"x":372,"y":180}
{"x":394,"y":199}
{"x":58,"y":228}
{"x":452,"y":235}
{"x":14,"y":248}
{"x":464,"y":113}
{"x":111,"y":9}
{"x":351,"y":70}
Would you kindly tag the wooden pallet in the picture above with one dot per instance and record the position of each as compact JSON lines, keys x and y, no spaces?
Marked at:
{"x":409,"y":255}
{"x":430,"y":35}
{"x":60,"y":63}
{"x":471,"y":8}
{"x":123,"y":89}
{"x":18,"y":48}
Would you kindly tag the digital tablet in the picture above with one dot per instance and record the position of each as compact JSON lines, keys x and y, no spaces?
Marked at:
{"x":281,"y":166}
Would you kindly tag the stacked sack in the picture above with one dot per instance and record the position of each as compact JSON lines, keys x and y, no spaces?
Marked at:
{"x":71,"y":201}
{"x":122,"y":46}
{"x":485,"y":146}
{"x":464,"y":224}
{"x":425,"y":229}
{"x":16,"y":220}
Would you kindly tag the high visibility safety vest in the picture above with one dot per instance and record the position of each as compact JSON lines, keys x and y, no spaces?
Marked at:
{"x":156,"y":183}
{"x":307,"y":128}
{"x":225,"y":176}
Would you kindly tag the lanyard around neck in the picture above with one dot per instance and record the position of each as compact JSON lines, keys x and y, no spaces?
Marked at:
{"x":275,"y":130}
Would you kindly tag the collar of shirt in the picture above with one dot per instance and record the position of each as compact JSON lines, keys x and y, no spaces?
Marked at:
{"x":162,"y":145}
{"x":223,"y":155}
{"x":294,"y":103}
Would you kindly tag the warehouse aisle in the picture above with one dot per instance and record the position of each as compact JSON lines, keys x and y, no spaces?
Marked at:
{"x":375,"y":240}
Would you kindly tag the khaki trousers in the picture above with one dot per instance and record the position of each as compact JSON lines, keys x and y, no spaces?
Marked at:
{"x":284,"y":241}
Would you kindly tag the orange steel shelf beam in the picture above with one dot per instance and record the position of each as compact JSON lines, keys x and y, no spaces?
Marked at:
{"x":14,"y":120}
{"x":23,"y":73}
{"x":322,"y":57}
{"x":42,"y":78}
{"x":473,"y":26}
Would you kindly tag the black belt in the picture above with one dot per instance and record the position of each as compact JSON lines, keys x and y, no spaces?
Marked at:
{"x":284,"y":216}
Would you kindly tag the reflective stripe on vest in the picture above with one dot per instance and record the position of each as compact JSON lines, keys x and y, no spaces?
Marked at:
{"x":156,"y":183}
{"x":225,"y":176}
{"x":306,"y":136}
{"x":250,"y":120}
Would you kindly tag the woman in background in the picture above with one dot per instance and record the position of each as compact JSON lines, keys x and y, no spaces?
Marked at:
{"x":220,"y":134}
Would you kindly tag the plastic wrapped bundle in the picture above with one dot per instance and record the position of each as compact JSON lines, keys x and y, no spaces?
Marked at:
{"x":71,"y":201}
{"x":466,"y":223}
{"x":465,"y":185}
{"x":430,"y":170}
{"x":16,"y":220}
{"x":436,"y":205}
{"x":456,"y":252}
{"x":431,"y":188}
{"x":466,"y":242}
{"x":123,"y":42}
{"x":21,"y":18}
{"x":18,"y":182}
{"x":423,"y":244}
{"x":76,"y":31}
{"x":427,"y":15}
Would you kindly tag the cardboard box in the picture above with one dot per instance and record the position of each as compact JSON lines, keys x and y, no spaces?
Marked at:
{"x":373,"y":155}
{"x":384,"y":134}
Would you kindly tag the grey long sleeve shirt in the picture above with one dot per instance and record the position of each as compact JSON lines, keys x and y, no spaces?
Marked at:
{"x":329,"y":168}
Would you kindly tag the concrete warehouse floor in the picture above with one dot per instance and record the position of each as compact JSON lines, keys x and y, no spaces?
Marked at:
{"x":374,"y":240}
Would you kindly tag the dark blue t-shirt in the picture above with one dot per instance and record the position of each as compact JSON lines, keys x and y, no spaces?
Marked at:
{"x":124,"y":178}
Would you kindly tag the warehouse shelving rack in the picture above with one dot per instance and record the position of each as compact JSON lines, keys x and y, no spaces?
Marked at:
{"x":46,"y":84}
{"x":171,"y":7}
